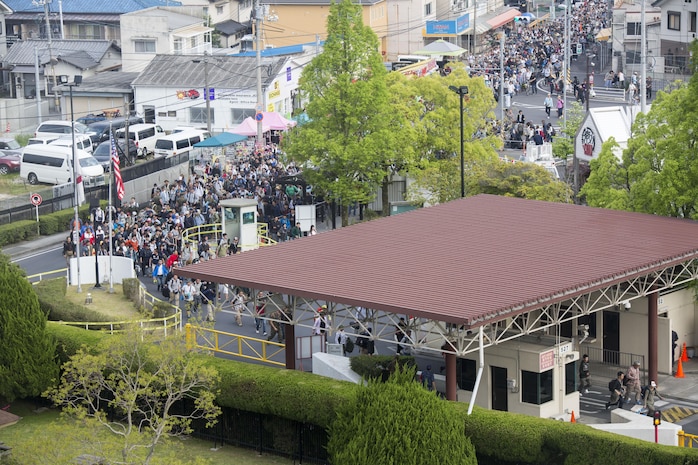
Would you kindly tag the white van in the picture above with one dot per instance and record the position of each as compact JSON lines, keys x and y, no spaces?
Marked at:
{"x":82,"y":142}
{"x":52,"y":164}
{"x":143,"y":137}
{"x":181,"y":142}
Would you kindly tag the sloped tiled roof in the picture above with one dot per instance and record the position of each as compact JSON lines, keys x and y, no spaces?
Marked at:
{"x":90,"y":6}
{"x":469,"y":261}
{"x":230,"y":27}
{"x":105,"y":82}
{"x":223,"y":71}
{"x":81,"y":53}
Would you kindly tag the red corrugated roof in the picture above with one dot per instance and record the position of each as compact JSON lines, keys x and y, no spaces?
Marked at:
{"x":471,"y":261}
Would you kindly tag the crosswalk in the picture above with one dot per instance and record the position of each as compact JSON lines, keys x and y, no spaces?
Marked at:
{"x":594,"y":403}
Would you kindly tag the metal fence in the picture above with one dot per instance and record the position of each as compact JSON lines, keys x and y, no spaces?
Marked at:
{"x":605,"y":364}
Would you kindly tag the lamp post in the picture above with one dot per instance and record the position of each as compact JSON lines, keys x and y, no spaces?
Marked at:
{"x":590,"y":56}
{"x":77,"y":80}
{"x":462,"y":91}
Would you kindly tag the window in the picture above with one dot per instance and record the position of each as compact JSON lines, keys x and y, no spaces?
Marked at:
{"x":692,"y":21}
{"x":239,"y":114}
{"x":633,"y":29}
{"x":177,"y":46}
{"x":466,"y":372}
{"x":571,"y":370}
{"x":427,"y":9}
{"x":633,"y":58}
{"x":144,"y":46}
{"x":536,"y":388}
{"x":219,"y":9}
{"x":193,"y":41}
{"x":32,"y":159}
{"x":199,"y":115}
{"x":673,"y":22}
{"x":167,"y":114}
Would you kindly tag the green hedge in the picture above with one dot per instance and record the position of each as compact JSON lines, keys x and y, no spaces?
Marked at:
{"x":17,"y":231}
{"x":51,"y":293}
{"x":497,"y":436}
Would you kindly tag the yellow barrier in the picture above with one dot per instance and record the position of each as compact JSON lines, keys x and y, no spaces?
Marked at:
{"x":250,"y":348}
{"x":35,"y":278}
{"x":192,"y":235}
{"x":172,"y":322}
{"x":687,"y":440}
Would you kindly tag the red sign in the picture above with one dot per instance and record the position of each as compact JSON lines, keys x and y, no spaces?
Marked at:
{"x":35,"y":199}
{"x":546,"y":360}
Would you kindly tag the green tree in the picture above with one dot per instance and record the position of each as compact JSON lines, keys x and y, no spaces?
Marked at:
{"x":27,"y":353}
{"x":524,"y":180}
{"x":563,"y":143}
{"x":607,"y":186}
{"x":341,"y":149}
{"x":154,"y":387}
{"x":399,"y":422}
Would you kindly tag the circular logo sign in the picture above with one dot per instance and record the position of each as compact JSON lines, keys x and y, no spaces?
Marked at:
{"x":588,"y":141}
{"x":36,"y":199}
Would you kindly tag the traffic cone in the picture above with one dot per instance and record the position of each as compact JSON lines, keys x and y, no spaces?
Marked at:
{"x":679,"y":371}
{"x":572,"y":419}
{"x":684,"y":355}
{"x":7,"y":129}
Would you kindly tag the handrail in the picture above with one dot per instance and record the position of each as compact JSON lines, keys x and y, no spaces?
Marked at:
{"x":687,"y":440}
{"x":246,"y":347}
{"x":192,"y":235}
{"x":44,"y":275}
{"x":112,"y":327}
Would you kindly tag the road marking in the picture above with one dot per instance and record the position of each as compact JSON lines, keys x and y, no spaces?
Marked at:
{"x":677,"y":413}
{"x":27,"y":257}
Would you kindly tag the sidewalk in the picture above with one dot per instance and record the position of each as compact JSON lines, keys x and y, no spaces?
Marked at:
{"x":22,"y":249}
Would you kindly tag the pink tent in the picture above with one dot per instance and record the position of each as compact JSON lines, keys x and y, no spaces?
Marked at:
{"x":249,"y":127}
{"x":277,"y":122}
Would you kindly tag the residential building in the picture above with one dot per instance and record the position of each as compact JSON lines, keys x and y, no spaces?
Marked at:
{"x":678,"y":31}
{"x":162,"y":30}
{"x":626,"y":38}
{"x":103,"y":93}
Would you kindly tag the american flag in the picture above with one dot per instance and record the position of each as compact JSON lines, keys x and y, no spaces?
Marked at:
{"x":117,"y":169}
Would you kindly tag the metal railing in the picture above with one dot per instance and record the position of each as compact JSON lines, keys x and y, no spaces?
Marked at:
{"x":193,"y":235}
{"x":37,"y":278}
{"x":170,"y":323}
{"x":605,"y":364}
{"x":246,"y":347}
{"x":687,"y":440}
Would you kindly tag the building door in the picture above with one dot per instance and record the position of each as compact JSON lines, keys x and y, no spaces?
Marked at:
{"x":149,"y":114}
{"x":611,"y":337}
{"x":500,"y":399}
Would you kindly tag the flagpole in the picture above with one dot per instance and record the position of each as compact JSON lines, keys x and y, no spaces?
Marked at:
{"x":111,"y":223}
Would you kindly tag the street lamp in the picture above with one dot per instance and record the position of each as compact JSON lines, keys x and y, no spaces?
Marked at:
{"x":77,"y":80}
{"x":462,"y":91}
{"x":590,"y":56}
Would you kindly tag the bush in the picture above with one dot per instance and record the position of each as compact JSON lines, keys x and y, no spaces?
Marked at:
{"x":51,"y":293}
{"x":376,"y":366}
{"x":69,"y":339}
{"x":17,"y":231}
{"x":131,"y":288}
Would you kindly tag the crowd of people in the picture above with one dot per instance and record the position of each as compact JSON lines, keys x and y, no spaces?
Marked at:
{"x":152,"y":235}
{"x":533,"y":54}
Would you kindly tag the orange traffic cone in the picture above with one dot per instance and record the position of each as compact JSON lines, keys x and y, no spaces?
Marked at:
{"x":684,"y":355}
{"x":572,"y":420}
{"x":679,"y":371}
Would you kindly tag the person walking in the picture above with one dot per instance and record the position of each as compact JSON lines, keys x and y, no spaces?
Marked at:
{"x":632,"y":384}
{"x":208,"y":295}
{"x":160,"y":274}
{"x":69,"y":249}
{"x":651,"y":395}
{"x":560,"y":106}
{"x":584,"y":375}
{"x":341,"y":338}
{"x":617,"y":391}
{"x":259,"y":310}
{"x":175,"y":286}
{"x":239,"y":305}
{"x":548,"y":103}
{"x":428,"y":379}
{"x":188,"y":297}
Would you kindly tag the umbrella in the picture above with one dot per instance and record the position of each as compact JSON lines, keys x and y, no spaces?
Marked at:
{"x":442,"y":48}
{"x":604,"y":34}
{"x":221,"y":140}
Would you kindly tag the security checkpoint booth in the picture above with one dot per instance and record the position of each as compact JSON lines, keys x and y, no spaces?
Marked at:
{"x":239,"y":219}
{"x":506,"y":318}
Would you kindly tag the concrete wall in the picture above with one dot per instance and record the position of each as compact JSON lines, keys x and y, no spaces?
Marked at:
{"x":638,"y":426}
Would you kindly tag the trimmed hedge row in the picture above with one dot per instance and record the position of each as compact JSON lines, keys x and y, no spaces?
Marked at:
{"x":49,"y":224}
{"x":498,"y":437}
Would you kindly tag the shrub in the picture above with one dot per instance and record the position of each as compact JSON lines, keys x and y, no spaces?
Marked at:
{"x":17,"y":231}
{"x":376,"y":366}
{"x":399,"y":422}
{"x":131,"y":288}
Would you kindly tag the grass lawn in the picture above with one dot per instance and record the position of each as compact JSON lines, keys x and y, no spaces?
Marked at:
{"x":42,"y":437}
{"x":11,"y":185}
{"x":116,"y":306}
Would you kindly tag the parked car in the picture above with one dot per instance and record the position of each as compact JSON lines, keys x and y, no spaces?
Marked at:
{"x":9,"y":162}
{"x":58,"y":128}
{"x":103,"y":154}
{"x":10,"y":146}
{"x":99,"y":131}
{"x":41,"y":140}
{"x":90,"y":118}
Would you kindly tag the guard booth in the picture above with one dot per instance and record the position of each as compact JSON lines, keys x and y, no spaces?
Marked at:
{"x":239,"y":219}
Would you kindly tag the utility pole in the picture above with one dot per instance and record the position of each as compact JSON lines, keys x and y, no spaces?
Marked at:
{"x":45,"y":3}
{"x":36,"y":85}
{"x":206,"y":93}
{"x":642,"y":85}
{"x":566,"y":65}
{"x":501,"y":75}
{"x":258,"y":48}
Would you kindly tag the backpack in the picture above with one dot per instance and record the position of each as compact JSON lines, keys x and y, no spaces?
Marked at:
{"x":349,"y":346}
{"x":612,"y":385}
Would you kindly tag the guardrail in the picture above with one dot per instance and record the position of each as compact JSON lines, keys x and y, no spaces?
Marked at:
{"x":687,"y":440}
{"x":36,"y":278}
{"x":169,"y":323}
{"x":250,"y":348}
{"x":193,"y":235}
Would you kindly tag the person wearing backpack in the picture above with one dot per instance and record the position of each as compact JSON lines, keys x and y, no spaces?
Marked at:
{"x":342,"y":338}
{"x":428,"y":379}
{"x":617,"y":391}
{"x":651,"y":394}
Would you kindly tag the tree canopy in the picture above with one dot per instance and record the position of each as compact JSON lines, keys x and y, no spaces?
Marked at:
{"x":27,"y":352}
{"x":153,"y":387}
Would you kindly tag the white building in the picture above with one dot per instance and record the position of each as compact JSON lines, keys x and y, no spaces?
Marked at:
{"x":678,"y":31}
{"x":598,"y":126}
{"x":162,"y":30}
{"x":172,"y":86}
{"x":627,"y":39}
